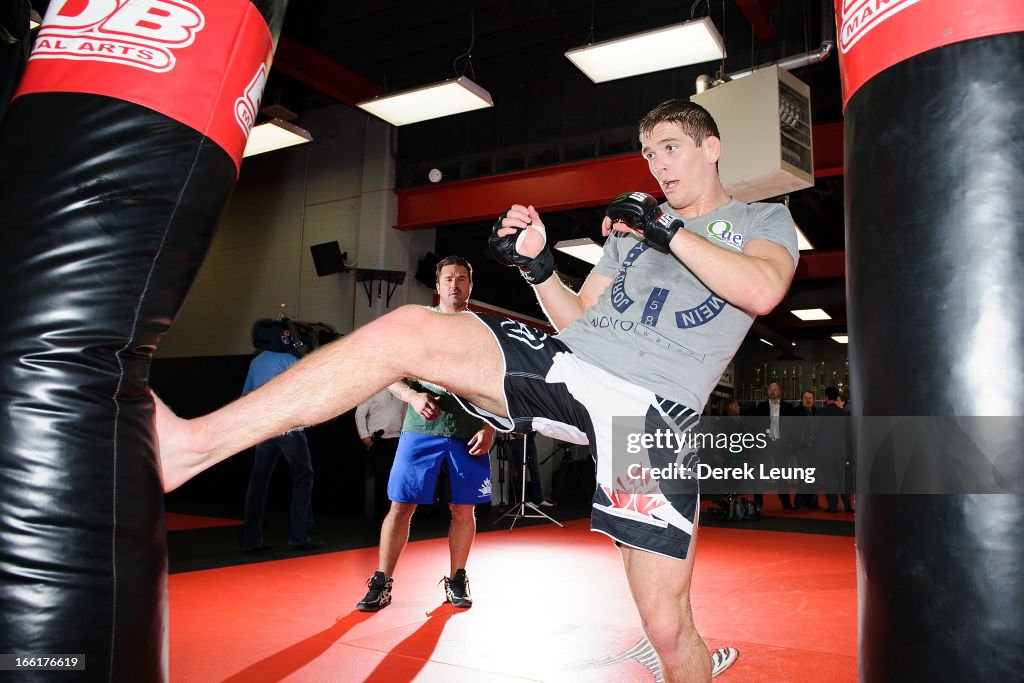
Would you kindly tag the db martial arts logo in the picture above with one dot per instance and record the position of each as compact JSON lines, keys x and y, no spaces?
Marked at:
{"x":248,"y":104}
{"x":139,"y":33}
{"x":859,"y":17}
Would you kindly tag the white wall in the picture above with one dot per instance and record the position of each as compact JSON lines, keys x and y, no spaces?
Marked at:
{"x":339,"y":187}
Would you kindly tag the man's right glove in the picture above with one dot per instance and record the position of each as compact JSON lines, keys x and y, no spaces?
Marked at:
{"x":535,"y":270}
{"x":640,"y":211}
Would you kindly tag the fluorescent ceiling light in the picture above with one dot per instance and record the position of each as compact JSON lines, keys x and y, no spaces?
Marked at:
{"x":841,"y":338}
{"x":811,"y":314}
{"x":429,"y":102}
{"x":663,"y":48}
{"x":584,"y":249}
{"x":274,"y":134}
{"x":802,"y":243}
{"x":766,"y":341}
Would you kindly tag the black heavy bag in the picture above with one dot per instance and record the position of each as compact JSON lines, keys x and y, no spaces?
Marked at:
{"x":935,"y":248}
{"x":116,"y":158}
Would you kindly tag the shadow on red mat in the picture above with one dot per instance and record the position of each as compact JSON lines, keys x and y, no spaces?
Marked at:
{"x":292,"y":658}
{"x":406,"y":659}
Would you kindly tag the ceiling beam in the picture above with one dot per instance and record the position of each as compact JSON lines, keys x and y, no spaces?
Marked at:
{"x":828,"y":149}
{"x":817,"y":265}
{"x":754,"y":11}
{"x":553,"y":188}
{"x":317,"y":71}
{"x":557,"y":188}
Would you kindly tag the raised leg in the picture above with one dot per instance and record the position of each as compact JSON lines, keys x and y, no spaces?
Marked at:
{"x":456,"y":351}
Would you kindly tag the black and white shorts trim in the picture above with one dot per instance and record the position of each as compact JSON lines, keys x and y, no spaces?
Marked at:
{"x":554,"y":392}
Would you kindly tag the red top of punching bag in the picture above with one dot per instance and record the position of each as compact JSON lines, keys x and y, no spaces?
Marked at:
{"x":201,"y":62}
{"x":876,"y":34}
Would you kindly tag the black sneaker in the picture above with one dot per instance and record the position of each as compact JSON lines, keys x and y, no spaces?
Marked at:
{"x":379,"y":595}
{"x":456,"y":589}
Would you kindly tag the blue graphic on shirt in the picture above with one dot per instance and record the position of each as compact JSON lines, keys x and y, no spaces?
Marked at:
{"x":620,"y":300}
{"x":655,"y":303}
{"x":700,"y":314}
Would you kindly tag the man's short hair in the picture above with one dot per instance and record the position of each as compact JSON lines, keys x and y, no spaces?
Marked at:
{"x":694,"y":119}
{"x":831,"y":393}
{"x":452,"y":261}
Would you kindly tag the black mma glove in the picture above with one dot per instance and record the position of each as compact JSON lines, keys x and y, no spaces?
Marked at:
{"x":534,"y":270}
{"x":640,"y":211}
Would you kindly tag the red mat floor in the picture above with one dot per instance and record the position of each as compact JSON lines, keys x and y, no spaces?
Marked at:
{"x":177,"y":521}
{"x":550,"y":605}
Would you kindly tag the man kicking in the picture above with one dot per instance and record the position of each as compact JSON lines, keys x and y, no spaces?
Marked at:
{"x":647,"y":336}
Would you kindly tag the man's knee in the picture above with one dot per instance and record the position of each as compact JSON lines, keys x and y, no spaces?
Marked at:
{"x":407,"y":333}
{"x":462,"y":513}
{"x":667,"y":626}
{"x":402,"y":511}
{"x":407,"y":322}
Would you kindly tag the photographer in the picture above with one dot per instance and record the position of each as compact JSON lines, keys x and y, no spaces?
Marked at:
{"x":379,"y":423}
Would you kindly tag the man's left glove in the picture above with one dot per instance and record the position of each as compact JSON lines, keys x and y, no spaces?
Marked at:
{"x":536,"y":270}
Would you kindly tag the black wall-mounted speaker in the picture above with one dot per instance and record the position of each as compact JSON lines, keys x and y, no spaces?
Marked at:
{"x":328,"y":258}
{"x":426,"y":270}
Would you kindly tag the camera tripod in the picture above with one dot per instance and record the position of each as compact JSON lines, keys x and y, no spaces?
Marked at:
{"x":525,"y":509}
{"x":564,"y":468}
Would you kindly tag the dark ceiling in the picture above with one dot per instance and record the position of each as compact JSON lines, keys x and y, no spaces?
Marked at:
{"x":515,"y":49}
{"x":546,"y":111}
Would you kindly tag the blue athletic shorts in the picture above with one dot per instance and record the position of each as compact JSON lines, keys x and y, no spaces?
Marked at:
{"x":418,"y":461}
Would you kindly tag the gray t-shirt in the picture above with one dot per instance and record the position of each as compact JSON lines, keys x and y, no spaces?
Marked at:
{"x":659,"y":326}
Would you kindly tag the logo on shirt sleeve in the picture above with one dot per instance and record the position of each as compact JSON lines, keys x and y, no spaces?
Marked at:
{"x":723,"y":232}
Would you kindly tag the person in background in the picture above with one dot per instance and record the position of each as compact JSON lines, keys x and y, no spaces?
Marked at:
{"x":379,"y":424}
{"x":806,"y":497}
{"x":833,"y":445}
{"x":436,"y":432}
{"x":779,"y":452}
{"x":293,"y":448}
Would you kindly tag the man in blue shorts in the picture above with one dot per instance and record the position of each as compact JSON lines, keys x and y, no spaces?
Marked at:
{"x":436,"y":431}
{"x":646,"y":338}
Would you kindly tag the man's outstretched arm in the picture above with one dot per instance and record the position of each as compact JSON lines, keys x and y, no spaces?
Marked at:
{"x":423,"y":403}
